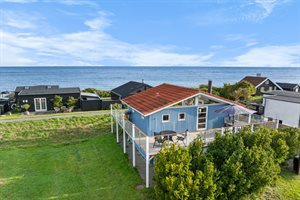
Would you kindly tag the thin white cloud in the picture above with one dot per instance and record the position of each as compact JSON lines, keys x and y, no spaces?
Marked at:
{"x":91,"y":47}
{"x":236,"y":12}
{"x":268,"y":56}
{"x":18,"y":1}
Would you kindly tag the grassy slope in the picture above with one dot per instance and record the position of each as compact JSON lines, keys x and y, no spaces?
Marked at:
{"x":70,"y":158}
{"x":287,"y":187}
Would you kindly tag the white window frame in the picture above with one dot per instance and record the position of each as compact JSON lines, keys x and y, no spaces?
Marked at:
{"x":206,"y":118}
{"x":162,"y":118}
{"x":40,"y":101}
{"x":179,"y":116}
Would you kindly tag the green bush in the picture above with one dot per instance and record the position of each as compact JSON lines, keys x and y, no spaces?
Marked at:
{"x":179,"y":176}
{"x":57,"y":101}
{"x":26,"y":106}
{"x":235,"y":166}
{"x":71,"y":101}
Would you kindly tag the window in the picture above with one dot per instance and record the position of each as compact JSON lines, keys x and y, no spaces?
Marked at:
{"x":181,"y":116}
{"x":165,"y":118}
{"x":267,"y":82}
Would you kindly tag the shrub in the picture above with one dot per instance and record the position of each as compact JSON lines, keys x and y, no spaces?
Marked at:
{"x":180,"y":176}
{"x":71,"y":101}
{"x":57,"y":101}
{"x":26,"y":106}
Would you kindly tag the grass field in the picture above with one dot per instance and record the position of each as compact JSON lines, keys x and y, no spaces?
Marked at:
{"x":71,"y":158}
{"x":287,"y":187}
{"x":77,"y":158}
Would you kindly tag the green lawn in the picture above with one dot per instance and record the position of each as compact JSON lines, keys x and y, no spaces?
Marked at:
{"x":287,"y":187}
{"x":71,"y":158}
{"x":77,"y":158}
{"x":20,"y":115}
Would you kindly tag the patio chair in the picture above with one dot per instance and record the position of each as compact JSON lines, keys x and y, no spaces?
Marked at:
{"x":182,"y":137}
{"x":64,"y":109}
{"x":158,"y":139}
{"x":71,"y":109}
{"x":56,"y":109}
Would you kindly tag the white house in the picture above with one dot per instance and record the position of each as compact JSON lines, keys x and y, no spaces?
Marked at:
{"x":283,"y":106}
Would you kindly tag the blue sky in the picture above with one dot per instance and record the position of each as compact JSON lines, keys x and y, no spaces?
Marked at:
{"x":150,"y":33}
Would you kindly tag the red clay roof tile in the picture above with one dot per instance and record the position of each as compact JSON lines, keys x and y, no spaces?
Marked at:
{"x":162,"y":96}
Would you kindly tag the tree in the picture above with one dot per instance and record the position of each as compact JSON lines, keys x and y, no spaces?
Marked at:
{"x":204,"y":172}
{"x":173,"y":177}
{"x":57,"y":101}
{"x":184,"y":173}
{"x":71,"y":101}
{"x":246,"y":162}
{"x":238,"y":91}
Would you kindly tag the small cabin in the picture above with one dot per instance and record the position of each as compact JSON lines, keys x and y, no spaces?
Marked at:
{"x":176,"y":108}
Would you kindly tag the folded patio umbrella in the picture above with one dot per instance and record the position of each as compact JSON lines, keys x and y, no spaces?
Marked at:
{"x":235,"y":110}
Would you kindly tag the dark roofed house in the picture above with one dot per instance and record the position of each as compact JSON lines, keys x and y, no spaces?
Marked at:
{"x":294,"y":87}
{"x":261,"y":84}
{"x":128,"y":89}
{"x":40,"y":97}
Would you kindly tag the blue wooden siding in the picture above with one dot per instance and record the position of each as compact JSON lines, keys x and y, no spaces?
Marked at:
{"x":139,"y":120}
{"x":153,"y":123}
{"x":215,"y":120}
{"x":156,"y":124}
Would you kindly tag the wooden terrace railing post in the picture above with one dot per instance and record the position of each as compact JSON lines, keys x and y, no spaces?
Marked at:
{"x":147,"y":162}
{"x":111,"y":119}
{"x":249,"y":119}
{"x":124,"y":133}
{"x":133,"y":145}
{"x":117,"y":127}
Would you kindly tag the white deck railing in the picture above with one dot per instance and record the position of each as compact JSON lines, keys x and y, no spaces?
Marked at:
{"x":145,"y":144}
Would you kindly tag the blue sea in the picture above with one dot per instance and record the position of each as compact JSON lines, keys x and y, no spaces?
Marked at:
{"x":107,"y":78}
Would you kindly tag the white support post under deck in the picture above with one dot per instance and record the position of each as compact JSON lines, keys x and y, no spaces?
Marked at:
{"x":249,"y":119}
{"x":222,"y":131}
{"x":133,"y":145}
{"x":124,"y":133}
{"x":147,"y":162}
{"x":111,"y":119}
{"x":252,"y":128}
{"x":117,"y":128}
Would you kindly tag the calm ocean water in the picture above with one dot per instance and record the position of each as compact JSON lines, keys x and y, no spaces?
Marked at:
{"x":109,"y":77}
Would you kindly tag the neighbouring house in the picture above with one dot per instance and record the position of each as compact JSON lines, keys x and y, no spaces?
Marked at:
{"x":261,"y":84}
{"x":294,"y":87}
{"x":4,"y":105}
{"x":40,"y":97}
{"x":128,"y":89}
{"x":176,"y":108}
{"x":283,"y":106}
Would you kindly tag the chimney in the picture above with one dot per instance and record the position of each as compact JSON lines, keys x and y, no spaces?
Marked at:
{"x":209,"y":86}
{"x":258,"y":74}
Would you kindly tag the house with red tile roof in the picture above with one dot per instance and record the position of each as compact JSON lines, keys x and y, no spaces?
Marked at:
{"x":261,"y":84}
{"x":176,"y":108}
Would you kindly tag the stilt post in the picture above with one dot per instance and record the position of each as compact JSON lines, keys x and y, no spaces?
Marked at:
{"x":133,"y":145}
{"x":111,"y":119}
{"x":124,"y":133}
{"x":117,"y":127}
{"x":147,"y":162}
{"x":222,"y":131}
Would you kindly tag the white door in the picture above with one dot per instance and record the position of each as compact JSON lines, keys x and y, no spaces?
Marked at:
{"x":40,"y":104}
{"x":202,"y":118}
